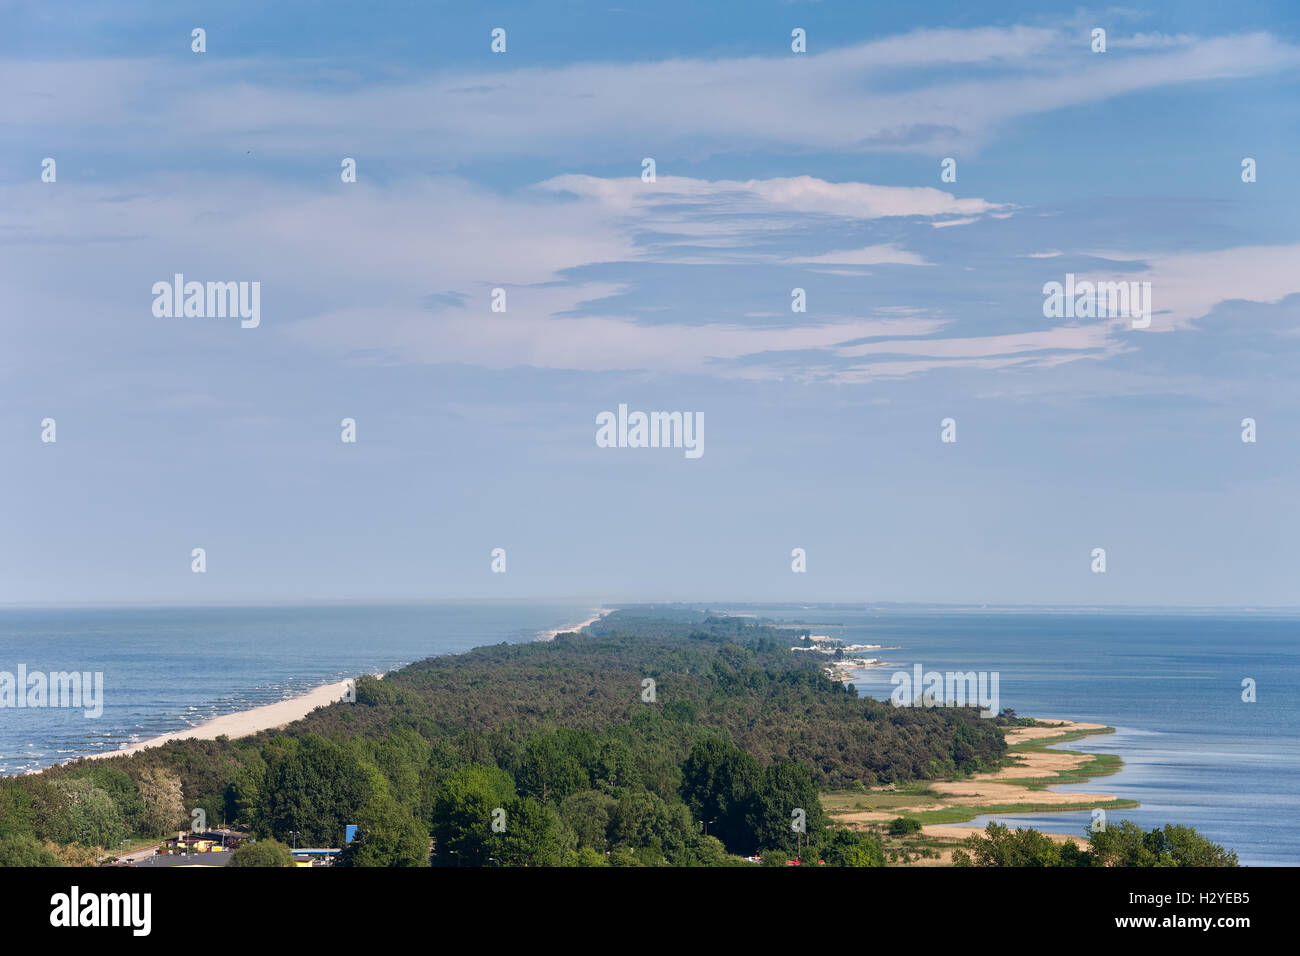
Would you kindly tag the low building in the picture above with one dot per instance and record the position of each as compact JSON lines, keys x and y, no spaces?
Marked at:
{"x":188,"y":843}
{"x":315,"y":857}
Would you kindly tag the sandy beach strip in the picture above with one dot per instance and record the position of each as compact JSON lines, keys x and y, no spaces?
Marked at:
{"x":245,"y":722}
{"x":550,"y":635}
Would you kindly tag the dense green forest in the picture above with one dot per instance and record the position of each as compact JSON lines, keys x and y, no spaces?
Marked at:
{"x":656,"y":739}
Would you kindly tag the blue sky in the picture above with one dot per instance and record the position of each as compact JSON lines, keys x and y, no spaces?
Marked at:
{"x":775,"y":170}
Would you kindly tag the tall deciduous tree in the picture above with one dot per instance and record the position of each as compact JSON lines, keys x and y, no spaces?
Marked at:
{"x":314,"y":789}
{"x":719,"y":784}
{"x":534,"y":836}
{"x":163,"y":803}
{"x":463,"y":813}
{"x":387,"y":835}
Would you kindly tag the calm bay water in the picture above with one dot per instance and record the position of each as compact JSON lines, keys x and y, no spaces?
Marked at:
{"x":166,"y":669}
{"x":1170,"y":683}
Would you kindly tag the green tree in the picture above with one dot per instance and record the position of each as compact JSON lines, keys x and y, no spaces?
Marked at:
{"x":787,"y":789}
{"x":1002,"y":846}
{"x":163,"y":803}
{"x":587,"y":814}
{"x":462,"y":814}
{"x":119,"y":785}
{"x":709,"y":851}
{"x":402,"y":755}
{"x":1126,"y":844}
{"x":84,"y":814}
{"x":18,"y":805}
{"x":642,"y":820}
{"x":719,"y":785}
{"x":623,"y":856}
{"x":615,"y":766}
{"x":842,"y":847}
{"x":244,"y":794}
{"x":266,"y":852}
{"x":1185,"y":847}
{"x":547,"y":772}
{"x":387,"y":835}
{"x":314,"y":788}
{"x":25,"y":851}
{"x":534,"y":835}
{"x":586,"y":856}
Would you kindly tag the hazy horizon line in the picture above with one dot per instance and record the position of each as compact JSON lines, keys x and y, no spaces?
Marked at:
{"x":611,"y":604}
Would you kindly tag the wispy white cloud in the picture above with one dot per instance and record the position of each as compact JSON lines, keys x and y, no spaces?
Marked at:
{"x":857,"y":98}
{"x":883,"y":254}
{"x":1096,"y":339}
{"x":801,"y":194}
{"x":403,"y":273}
{"x":532,"y":335}
{"x":1187,"y":286}
{"x":727,"y":217}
